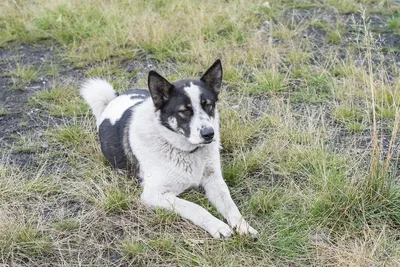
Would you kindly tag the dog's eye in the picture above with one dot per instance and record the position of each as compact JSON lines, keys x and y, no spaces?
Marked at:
{"x":208,"y":107}
{"x":185,"y":112}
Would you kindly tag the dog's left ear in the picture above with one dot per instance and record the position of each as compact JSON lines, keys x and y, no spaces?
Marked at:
{"x":213,"y":76}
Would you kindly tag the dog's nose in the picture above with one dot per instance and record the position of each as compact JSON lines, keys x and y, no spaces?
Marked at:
{"x":207,"y":133}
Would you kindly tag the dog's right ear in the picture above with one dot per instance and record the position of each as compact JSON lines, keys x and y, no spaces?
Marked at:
{"x":160,"y":89}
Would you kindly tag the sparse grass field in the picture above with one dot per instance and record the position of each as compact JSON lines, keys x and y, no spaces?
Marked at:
{"x":310,"y":125}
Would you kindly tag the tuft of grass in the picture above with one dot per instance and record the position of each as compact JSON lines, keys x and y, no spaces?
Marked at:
{"x":333,"y":37}
{"x":67,"y":225}
{"x":266,"y":82}
{"x":266,"y":201}
{"x":32,"y":242}
{"x":23,"y":75}
{"x":386,"y":113}
{"x":24,"y":241}
{"x":70,"y":135}
{"x":43,"y":186}
{"x":26,"y":145}
{"x":134,"y":250}
{"x":393,"y":24}
{"x":353,"y":118}
{"x":60,"y":102}
{"x":4,"y":112}
{"x":238,"y":129}
{"x":356,"y":127}
{"x":116,"y":200}
{"x":243,"y":164}
{"x":141,"y":250}
{"x":163,"y":217}
{"x":314,"y":89}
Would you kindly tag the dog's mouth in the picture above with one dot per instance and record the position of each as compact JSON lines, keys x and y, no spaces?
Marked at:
{"x":203,"y":143}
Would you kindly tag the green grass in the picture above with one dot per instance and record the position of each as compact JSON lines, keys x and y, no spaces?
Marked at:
{"x":116,"y":200}
{"x":309,"y":127}
{"x":314,"y":89}
{"x":26,"y":145}
{"x":4,"y":112}
{"x":24,"y":242}
{"x":393,"y":24}
{"x":266,"y":82}
{"x":70,"y":135}
{"x":66,"y":225}
{"x":23,"y":75}
{"x":353,"y":118}
{"x":60,"y":101}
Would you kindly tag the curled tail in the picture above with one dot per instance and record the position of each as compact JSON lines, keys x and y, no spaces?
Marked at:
{"x":98,"y":94}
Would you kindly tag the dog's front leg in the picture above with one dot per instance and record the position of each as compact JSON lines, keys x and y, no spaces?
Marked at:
{"x":218,"y":194}
{"x":188,"y":210}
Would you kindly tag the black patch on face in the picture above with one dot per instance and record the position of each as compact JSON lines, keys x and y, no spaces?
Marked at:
{"x":208,"y":98}
{"x":171,"y":109}
{"x":178,"y":98}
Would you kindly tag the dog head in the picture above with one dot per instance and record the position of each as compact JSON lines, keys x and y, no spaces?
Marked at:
{"x":188,"y":107}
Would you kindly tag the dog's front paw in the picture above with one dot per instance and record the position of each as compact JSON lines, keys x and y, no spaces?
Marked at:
{"x":219,"y":229}
{"x":243,"y":228}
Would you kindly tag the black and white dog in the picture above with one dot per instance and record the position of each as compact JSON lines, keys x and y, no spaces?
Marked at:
{"x":170,"y":136}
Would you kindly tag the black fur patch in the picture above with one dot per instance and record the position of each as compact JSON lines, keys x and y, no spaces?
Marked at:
{"x":114,"y":139}
{"x":137,"y":93}
{"x":170,"y":109}
{"x":111,"y":140}
{"x":207,"y":96}
{"x":178,"y":98}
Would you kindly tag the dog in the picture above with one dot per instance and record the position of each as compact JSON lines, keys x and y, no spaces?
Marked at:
{"x":169,"y":136}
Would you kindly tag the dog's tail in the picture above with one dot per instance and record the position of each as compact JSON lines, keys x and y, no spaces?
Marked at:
{"x":98,"y":94}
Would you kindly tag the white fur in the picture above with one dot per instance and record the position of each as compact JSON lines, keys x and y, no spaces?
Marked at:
{"x":200,"y":118}
{"x":98,"y":94}
{"x":168,"y":167}
{"x":173,"y":123}
{"x":116,"y":108}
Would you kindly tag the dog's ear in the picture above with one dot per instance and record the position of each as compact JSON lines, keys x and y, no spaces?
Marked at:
{"x":160,"y":89}
{"x":213,"y":76}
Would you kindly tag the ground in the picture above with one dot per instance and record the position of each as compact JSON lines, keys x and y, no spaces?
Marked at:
{"x":309,"y":122}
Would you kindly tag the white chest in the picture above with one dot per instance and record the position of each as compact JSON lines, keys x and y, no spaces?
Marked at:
{"x":172,"y":169}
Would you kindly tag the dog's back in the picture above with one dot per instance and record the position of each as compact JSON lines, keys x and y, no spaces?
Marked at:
{"x":113,"y":113}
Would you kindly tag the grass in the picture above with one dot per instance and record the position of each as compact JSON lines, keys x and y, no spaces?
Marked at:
{"x":4,"y":112}
{"x":61,"y":101}
{"x":309,"y":128}
{"x":22,"y":76}
{"x":394,"y":24}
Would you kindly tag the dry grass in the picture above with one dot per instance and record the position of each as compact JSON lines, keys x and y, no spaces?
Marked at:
{"x":309,"y":115}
